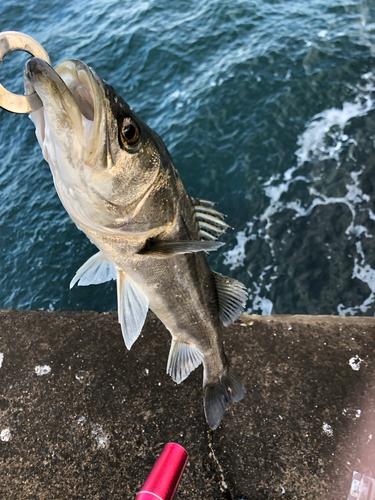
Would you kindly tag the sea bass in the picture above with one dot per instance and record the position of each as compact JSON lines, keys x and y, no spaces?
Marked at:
{"x":118,"y":183}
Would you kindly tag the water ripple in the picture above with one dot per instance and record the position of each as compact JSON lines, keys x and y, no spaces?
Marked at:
{"x":266,"y":107}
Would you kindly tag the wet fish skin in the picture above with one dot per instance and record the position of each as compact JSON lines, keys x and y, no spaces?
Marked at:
{"x":131,"y":203}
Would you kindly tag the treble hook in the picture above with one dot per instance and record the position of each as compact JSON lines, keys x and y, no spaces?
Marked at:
{"x":10,"y":41}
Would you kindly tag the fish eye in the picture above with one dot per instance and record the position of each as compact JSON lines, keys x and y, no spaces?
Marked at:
{"x":129,"y":133}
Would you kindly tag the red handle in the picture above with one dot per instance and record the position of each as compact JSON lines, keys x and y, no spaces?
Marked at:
{"x":163,"y":480}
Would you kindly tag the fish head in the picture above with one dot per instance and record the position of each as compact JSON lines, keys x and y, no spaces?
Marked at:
{"x":104,"y":159}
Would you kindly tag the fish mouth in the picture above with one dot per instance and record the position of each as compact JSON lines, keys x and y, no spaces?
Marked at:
{"x":72,"y":98}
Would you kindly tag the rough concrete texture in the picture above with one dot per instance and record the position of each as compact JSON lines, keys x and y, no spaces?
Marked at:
{"x":81,"y":417}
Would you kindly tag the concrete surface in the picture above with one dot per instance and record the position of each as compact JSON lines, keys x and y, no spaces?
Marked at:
{"x":81,"y":417}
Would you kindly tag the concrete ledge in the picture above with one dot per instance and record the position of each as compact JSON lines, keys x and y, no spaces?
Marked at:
{"x":92,"y":419}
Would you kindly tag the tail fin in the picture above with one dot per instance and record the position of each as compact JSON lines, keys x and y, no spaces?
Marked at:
{"x":229,"y":389}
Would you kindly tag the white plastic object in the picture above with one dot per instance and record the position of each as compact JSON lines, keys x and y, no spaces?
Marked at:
{"x":10,"y":41}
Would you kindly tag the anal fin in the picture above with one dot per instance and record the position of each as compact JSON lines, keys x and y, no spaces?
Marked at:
{"x":232,"y":295}
{"x":182,"y":360}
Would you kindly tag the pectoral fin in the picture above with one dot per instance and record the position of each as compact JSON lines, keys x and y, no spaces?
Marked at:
{"x":162,"y":248}
{"x":232,"y":295}
{"x":182,"y":360}
{"x":132,"y":308}
{"x":98,"y":269}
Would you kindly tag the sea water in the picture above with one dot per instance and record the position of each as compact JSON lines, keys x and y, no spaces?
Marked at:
{"x":267,"y":107}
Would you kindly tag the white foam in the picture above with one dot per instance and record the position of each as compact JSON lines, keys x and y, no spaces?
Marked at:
{"x":236,"y":257}
{"x":256,"y":299}
{"x":1,"y":359}
{"x":265,"y":305}
{"x":313,"y":146}
{"x":330,"y":122}
{"x":354,"y":199}
{"x":42,"y":370}
{"x":366,"y":274}
{"x":324,"y":138}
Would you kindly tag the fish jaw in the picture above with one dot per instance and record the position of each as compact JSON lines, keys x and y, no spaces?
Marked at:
{"x":72,"y":106}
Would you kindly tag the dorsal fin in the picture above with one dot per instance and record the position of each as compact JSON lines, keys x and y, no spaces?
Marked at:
{"x":232,"y":295}
{"x":199,"y":201}
{"x":182,"y":360}
{"x":210,"y":222}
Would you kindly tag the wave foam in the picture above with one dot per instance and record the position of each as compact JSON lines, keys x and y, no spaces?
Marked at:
{"x":324,"y":138}
{"x":330,"y":123}
{"x":236,"y":257}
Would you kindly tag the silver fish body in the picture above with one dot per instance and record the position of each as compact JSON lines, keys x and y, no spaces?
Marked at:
{"x":118,"y":183}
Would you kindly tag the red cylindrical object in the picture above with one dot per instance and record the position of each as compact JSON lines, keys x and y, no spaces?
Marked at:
{"x":163,"y":480}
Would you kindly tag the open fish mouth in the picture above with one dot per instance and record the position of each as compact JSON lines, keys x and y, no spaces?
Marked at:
{"x":72,"y":98}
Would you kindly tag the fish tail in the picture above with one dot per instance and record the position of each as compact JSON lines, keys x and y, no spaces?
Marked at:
{"x":228,"y":389}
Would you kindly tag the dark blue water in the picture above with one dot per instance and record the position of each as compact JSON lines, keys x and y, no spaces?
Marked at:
{"x":267,"y":107}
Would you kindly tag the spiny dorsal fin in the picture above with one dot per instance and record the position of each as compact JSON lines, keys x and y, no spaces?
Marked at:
{"x":210,"y":221}
{"x":232,"y":296}
{"x":199,"y":201}
{"x":132,"y":308}
{"x":182,"y":360}
{"x":98,"y":269}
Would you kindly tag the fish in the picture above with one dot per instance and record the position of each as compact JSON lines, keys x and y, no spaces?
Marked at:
{"x":118,"y":183}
